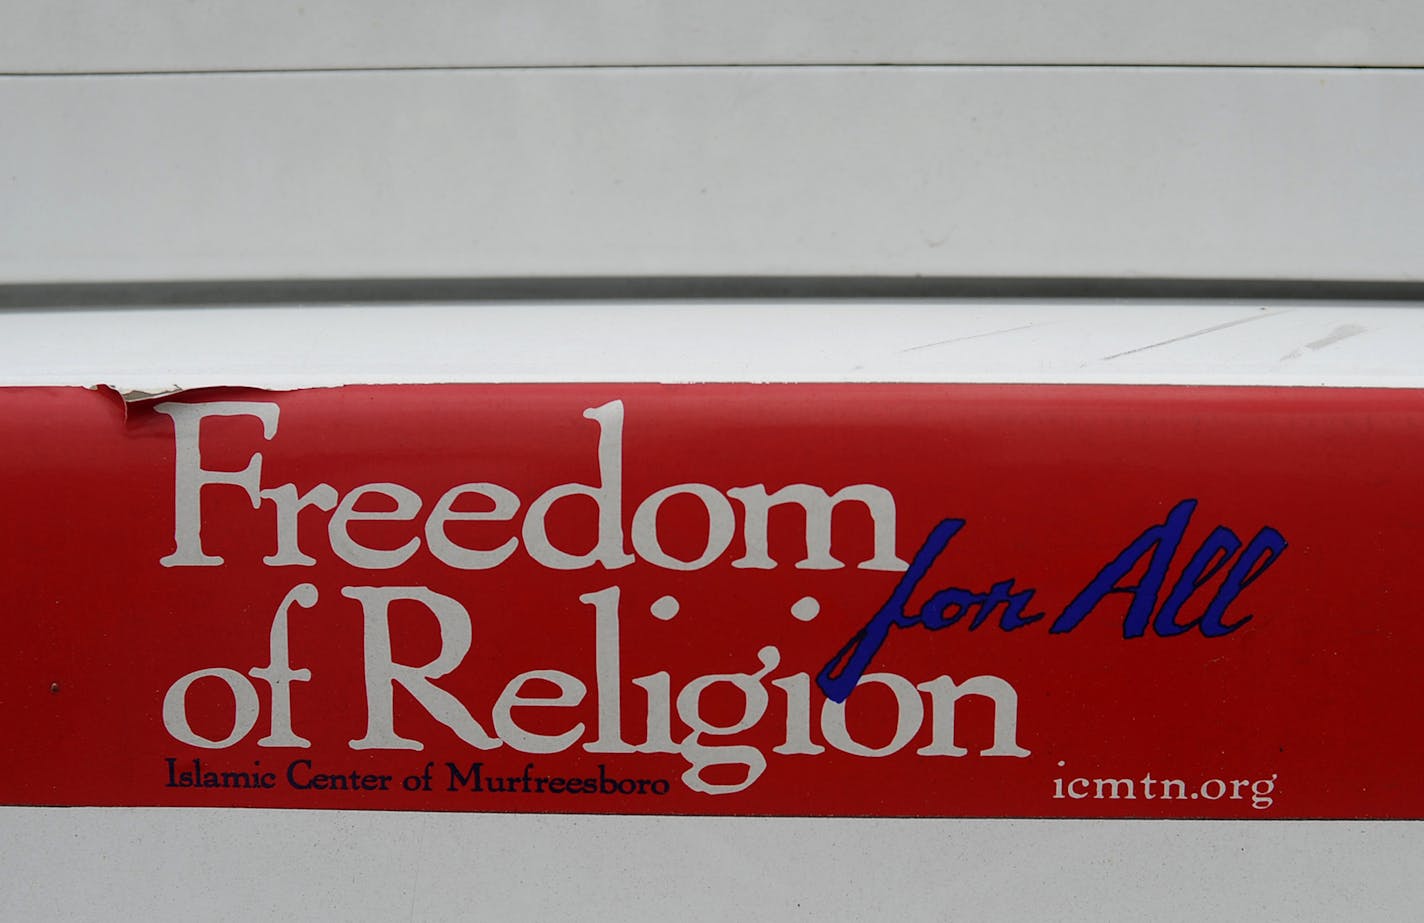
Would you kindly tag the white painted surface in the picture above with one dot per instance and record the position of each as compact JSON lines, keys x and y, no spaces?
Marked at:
{"x":191,"y":864}
{"x":1273,"y":343}
{"x":960,"y":171}
{"x":99,"y":35}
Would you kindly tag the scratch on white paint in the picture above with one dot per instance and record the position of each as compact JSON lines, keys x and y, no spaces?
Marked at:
{"x":1261,"y":315}
{"x":972,"y":336}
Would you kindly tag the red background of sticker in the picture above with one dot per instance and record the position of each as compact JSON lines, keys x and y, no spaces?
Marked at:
{"x":1318,"y":689}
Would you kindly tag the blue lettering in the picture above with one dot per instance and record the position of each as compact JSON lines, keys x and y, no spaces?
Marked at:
{"x":1160,"y":542}
{"x":1157,"y":547}
{"x":1267,"y":544}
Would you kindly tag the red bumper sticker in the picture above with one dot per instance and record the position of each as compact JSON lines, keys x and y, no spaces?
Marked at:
{"x":885,"y":600}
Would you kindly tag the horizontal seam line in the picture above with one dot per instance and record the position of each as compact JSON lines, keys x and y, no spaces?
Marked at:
{"x":515,"y":68}
{"x":192,"y":293}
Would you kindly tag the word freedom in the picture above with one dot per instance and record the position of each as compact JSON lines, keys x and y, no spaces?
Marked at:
{"x":400,"y":503}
